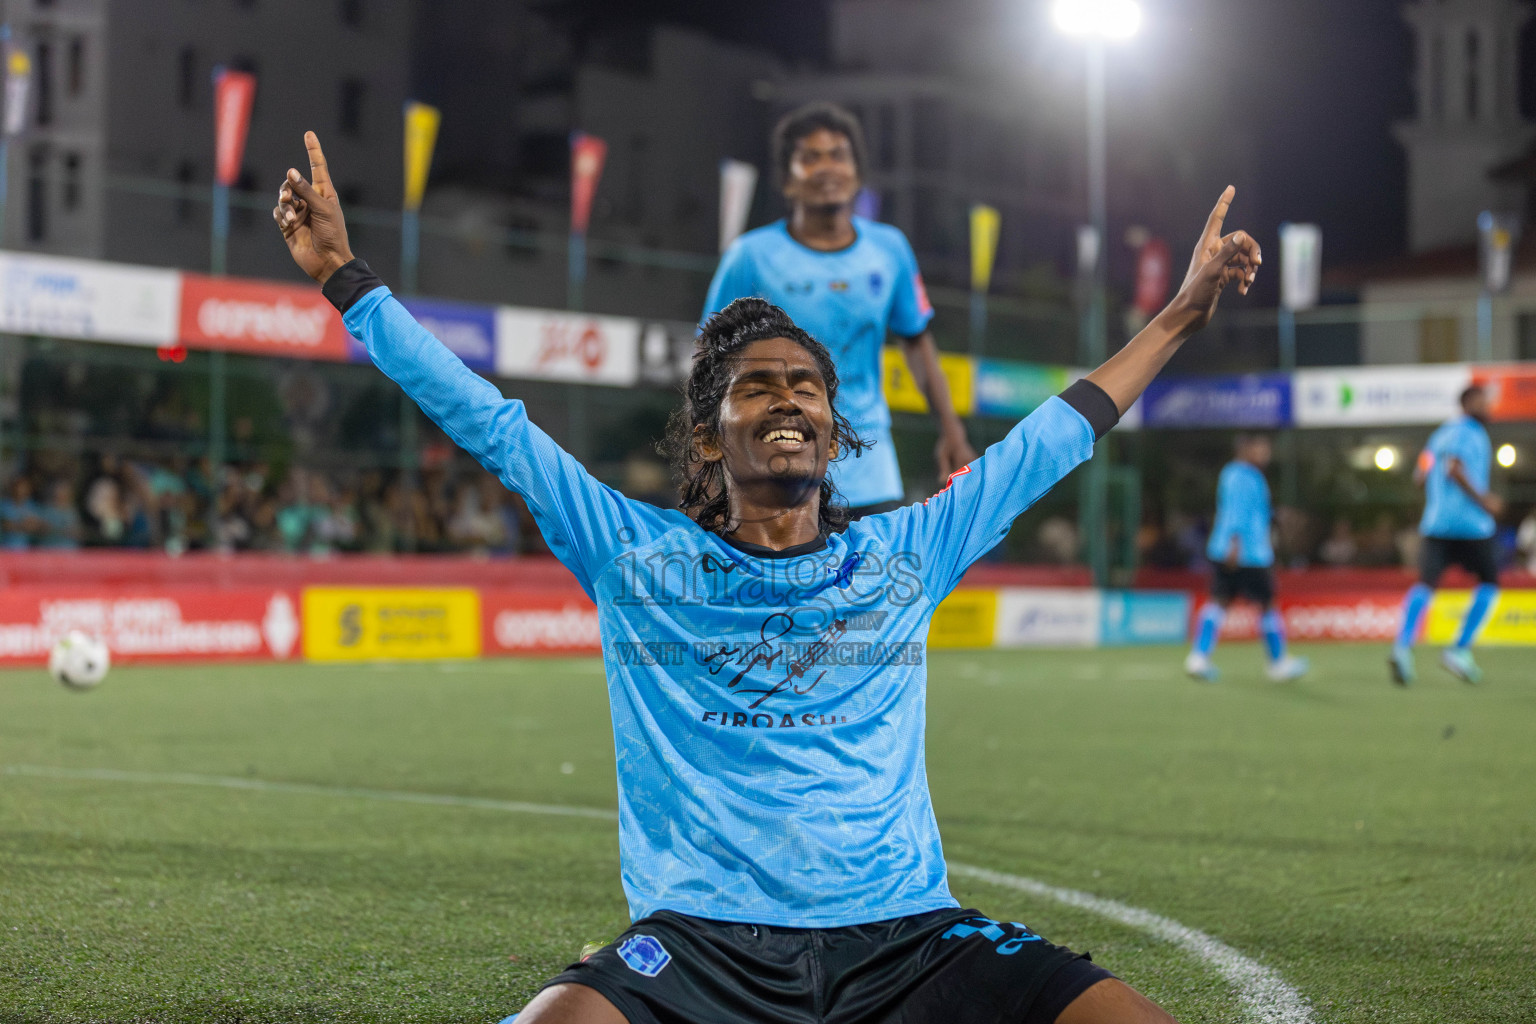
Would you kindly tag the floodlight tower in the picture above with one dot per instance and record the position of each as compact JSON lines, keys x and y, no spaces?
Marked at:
{"x":1098,"y":23}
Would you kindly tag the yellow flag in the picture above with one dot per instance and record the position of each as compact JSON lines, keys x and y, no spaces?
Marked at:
{"x":985,"y":224}
{"x":420,"y":137}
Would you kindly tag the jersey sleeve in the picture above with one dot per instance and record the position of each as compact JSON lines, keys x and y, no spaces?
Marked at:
{"x":1228,"y":502}
{"x":585,"y":523}
{"x":946,"y":534}
{"x":911,"y":312}
{"x":735,"y":278}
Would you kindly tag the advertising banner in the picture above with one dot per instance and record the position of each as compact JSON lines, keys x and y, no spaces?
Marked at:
{"x":1511,"y":391}
{"x":542,"y":344}
{"x":1301,"y":265}
{"x":539,"y":622}
{"x":1142,"y":617}
{"x":468,"y":330}
{"x":1345,"y":615}
{"x":902,"y":393}
{"x":233,"y":94}
{"x":966,"y":619}
{"x":1261,"y":400}
{"x":1512,"y":623}
{"x":1048,"y":617}
{"x":738,"y":183}
{"x":1382,"y":395}
{"x":986,"y":224}
{"x":405,"y":624}
{"x":421,"y":123}
{"x":163,"y":624}
{"x":243,"y":315}
{"x":1014,"y":390}
{"x":587,"y":155}
{"x":67,"y":298}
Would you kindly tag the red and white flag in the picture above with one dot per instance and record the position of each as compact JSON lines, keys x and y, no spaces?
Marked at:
{"x":233,"y":94}
{"x":587,"y":155}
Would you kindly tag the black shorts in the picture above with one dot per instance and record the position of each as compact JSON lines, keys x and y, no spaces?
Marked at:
{"x":1478,"y":557}
{"x":949,"y":966}
{"x":1256,"y":585}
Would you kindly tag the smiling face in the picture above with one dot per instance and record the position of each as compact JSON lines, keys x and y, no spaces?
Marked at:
{"x":823,"y":171}
{"x":775,"y":424}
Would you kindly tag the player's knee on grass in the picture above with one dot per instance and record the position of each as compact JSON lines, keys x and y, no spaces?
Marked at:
{"x":1112,"y":1001}
{"x":570,"y":1004}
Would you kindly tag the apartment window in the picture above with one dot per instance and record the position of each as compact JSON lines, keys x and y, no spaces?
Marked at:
{"x":352,"y":13}
{"x":350,"y":113}
{"x":1472,"y":76}
{"x":76,"y":66}
{"x":186,"y":77}
{"x":186,"y":171}
{"x":44,"y":80}
{"x":72,"y":181}
{"x":1525,"y":325}
{"x":37,"y":194}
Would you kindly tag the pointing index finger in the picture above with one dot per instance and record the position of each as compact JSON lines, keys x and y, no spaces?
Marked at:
{"x":319,"y":174}
{"x":1212,"y":226}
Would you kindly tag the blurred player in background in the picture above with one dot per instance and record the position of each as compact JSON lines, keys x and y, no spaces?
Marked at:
{"x":777,"y":839}
{"x":1243,"y":559}
{"x":851,"y":283}
{"x":1457,"y":527}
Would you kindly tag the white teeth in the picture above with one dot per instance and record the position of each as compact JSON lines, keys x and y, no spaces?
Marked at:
{"x":784,"y":435}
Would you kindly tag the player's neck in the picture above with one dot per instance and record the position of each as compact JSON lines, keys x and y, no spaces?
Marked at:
{"x":770,"y":524}
{"x":823,"y":228}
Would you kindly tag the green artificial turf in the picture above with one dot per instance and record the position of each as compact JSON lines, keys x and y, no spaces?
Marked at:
{"x":1374,"y":846}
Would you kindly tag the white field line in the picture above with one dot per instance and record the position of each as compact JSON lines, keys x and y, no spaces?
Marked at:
{"x":1267,"y":997}
{"x":1265,"y":994}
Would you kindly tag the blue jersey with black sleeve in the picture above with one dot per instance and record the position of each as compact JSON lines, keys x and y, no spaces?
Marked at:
{"x":1449,"y":511}
{"x":768,"y":706}
{"x":850,"y":301}
{"x":1242,"y":517}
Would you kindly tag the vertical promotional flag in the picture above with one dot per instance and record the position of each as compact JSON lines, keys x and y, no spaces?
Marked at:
{"x":421,"y":123}
{"x":233,"y":94}
{"x":1154,"y":273}
{"x":1088,"y":245}
{"x":1301,"y":265}
{"x":738,"y":183}
{"x":1498,"y":234}
{"x":18,"y":82}
{"x":587,"y":155}
{"x":985,"y":225}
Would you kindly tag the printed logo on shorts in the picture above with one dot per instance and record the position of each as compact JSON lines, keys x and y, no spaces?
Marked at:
{"x":645,"y":955}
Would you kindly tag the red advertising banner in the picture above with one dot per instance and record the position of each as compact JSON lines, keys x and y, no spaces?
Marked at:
{"x":162,"y":624}
{"x":1511,"y":390}
{"x":587,"y":155}
{"x":538,"y":622}
{"x":244,"y":315}
{"x":1347,"y":615}
{"x":233,"y":94}
{"x":1154,"y":272}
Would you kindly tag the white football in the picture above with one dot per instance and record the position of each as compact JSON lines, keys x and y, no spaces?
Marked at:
{"x":79,"y":661}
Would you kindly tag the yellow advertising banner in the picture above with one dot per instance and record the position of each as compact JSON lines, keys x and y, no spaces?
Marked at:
{"x":389,"y":623}
{"x":1511,"y":624}
{"x":986,"y":222}
{"x":902,"y":393}
{"x":966,"y":619}
{"x":421,"y":123}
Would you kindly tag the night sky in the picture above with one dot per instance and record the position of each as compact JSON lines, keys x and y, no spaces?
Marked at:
{"x":1311,"y":87}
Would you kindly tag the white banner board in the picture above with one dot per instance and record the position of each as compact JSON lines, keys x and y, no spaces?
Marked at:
{"x":1048,"y":617}
{"x":542,"y":344}
{"x":67,"y":298}
{"x":1379,"y":396}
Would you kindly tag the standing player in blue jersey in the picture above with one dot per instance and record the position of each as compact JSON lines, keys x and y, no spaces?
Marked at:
{"x":1242,"y":560}
{"x":851,"y":283}
{"x":765,"y":667}
{"x":1457,"y":529}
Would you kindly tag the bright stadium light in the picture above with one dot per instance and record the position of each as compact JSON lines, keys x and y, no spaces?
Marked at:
{"x":1106,"y":19}
{"x":1507,"y":455}
{"x":1386,"y":457}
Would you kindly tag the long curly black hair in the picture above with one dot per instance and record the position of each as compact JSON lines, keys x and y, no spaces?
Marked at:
{"x":702,"y":482}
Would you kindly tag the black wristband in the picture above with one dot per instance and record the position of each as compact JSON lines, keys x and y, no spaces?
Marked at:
{"x":1094,"y":404}
{"x":348,"y":283}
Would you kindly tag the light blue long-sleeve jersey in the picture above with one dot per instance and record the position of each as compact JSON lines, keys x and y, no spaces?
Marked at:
{"x":1449,"y":511}
{"x":850,"y":300}
{"x":1243,"y":517}
{"x":768,"y":707}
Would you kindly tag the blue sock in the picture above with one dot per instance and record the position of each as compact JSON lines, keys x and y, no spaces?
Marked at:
{"x":1211,"y":617}
{"x":1482,"y":603}
{"x":1414,"y":606}
{"x":1274,"y":634}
